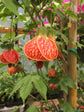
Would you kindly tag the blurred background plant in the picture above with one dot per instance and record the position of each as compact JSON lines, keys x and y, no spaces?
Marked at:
{"x":33,"y":81}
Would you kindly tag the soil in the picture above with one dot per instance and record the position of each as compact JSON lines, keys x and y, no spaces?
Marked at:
{"x":9,"y":104}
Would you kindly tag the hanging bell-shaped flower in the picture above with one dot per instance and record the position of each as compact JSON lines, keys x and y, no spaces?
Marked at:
{"x":42,"y":47}
{"x":9,"y":56}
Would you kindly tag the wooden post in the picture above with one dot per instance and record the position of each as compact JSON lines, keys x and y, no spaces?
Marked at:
{"x":72,"y":59}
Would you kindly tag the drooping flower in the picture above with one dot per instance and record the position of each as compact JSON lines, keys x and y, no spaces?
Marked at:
{"x":41,"y":48}
{"x":52,"y":72}
{"x":9,"y":56}
{"x":11,"y":70}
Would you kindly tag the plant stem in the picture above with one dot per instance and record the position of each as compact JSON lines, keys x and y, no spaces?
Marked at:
{"x":31,"y":15}
{"x":37,"y":12}
{"x":60,"y":66}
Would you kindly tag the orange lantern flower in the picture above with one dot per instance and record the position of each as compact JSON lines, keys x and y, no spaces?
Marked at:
{"x":41,"y":49}
{"x":9,"y":56}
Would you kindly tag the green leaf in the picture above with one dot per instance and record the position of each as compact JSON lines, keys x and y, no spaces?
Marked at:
{"x":66,"y":82}
{"x":62,"y":36}
{"x":59,"y":1}
{"x":70,"y":13}
{"x":18,"y":37}
{"x":10,"y":4}
{"x":26,"y":89}
{"x":44,"y":13}
{"x":7,"y":37}
{"x":78,"y":44}
{"x":32,"y":109}
{"x":50,"y":16}
{"x":7,"y":45}
{"x":25,"y":86}
{"x":37,"y":2}
{"x":17,"y":86}
{"x":2,"y":65}
{"x":59,"y":43}
{"x":40,"y":85}
{"x":65,"y":51}
{"x":64,"y":88}
{"x":70,"y":82}
{"x":59,"y":13}
{"x":26,"y":2}
{"x":67,"y":107}
{"x":3,"y":15}
{"x":1,"y":7}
